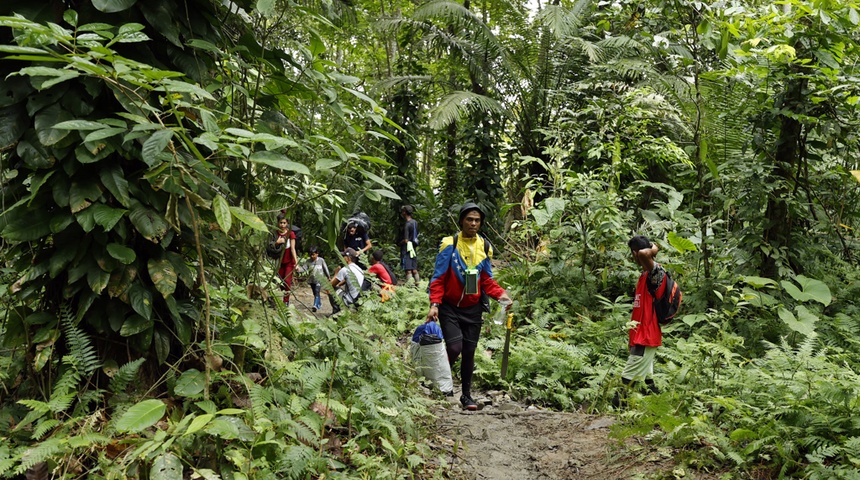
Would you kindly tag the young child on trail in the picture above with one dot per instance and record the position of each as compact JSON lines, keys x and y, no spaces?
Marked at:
{"x":462,"y":271}
{"x":285,"y":239}
{"x":408,"y":257}
{"x":317,"y":273}
{"x":383,"y":272}
{"x":646,"y":336}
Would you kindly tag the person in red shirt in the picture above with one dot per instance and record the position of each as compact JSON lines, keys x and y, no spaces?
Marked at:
{"x":646,"y":336}
{"x":285,"y":238}
{"x":382,"y":272}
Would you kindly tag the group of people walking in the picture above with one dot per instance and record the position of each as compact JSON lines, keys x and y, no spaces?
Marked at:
{"x":459,"y":288}
{"x":349,"y":281}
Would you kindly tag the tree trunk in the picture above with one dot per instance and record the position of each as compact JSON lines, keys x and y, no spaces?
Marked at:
{"x":778,"y":220}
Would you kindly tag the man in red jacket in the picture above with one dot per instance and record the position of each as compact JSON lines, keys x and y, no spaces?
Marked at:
{"x":462,"y":271}
{"x":646,"y":336}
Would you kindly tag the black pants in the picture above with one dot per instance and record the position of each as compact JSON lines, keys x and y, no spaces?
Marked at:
{"x":461,"y":328}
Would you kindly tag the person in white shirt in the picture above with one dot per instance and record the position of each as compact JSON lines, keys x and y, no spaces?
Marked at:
{"x":347,"y":281}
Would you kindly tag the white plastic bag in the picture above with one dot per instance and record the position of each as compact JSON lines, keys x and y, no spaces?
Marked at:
{"x":431,"y":362}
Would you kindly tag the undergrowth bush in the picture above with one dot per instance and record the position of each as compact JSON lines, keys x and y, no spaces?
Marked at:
{"x":317,"y":396}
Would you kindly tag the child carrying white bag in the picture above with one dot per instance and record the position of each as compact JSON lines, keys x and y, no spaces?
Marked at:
{"x":430,"y":358}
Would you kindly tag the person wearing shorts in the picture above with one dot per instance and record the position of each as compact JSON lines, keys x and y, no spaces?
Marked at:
{"x":646,"y":336}
{"x":457,"y":304}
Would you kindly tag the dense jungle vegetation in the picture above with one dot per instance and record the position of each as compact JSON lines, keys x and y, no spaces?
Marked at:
{"x":146,"y":144}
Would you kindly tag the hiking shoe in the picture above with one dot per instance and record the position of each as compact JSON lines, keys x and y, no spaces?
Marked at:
{"x":314,"y":309}
{"x":467,"y":403}
{"x":449,"y":393}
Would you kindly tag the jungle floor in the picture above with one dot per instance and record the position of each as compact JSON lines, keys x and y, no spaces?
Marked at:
{"x":507,"y":440}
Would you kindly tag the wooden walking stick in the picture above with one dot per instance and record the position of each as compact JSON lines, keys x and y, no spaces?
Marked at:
{"x":509,"y":325}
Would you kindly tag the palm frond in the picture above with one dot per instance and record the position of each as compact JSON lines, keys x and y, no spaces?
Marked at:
{"x":460,"y":104}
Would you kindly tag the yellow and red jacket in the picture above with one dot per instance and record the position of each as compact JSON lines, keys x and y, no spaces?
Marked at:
{"x":448,"y":283}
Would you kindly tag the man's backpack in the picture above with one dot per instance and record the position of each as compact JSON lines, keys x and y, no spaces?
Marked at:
{"x":667,"y":306}
{"x":361,"y":221}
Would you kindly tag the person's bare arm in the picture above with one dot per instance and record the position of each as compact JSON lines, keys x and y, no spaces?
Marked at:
{"x":646,"y":257}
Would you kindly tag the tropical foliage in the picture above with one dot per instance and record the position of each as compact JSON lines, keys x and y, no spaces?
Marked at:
{"x":145,"y":145}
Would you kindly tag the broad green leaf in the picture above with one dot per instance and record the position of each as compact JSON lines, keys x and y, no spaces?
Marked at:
{"x":814,"y":290}
{"x":79,"y":125}
{"x":805,"y":325}
{"x":161,"y":341}
{"x":106,"y":216}
{"x":133,"y":325}
{"x":141,"y":416}
{"x":191,"y":383}
{"x":186,"y":274}
{"x":230,"y":428}
{"x":33,"y":226}
{"x":166,"y":466}
{"x":97,"y":279}
{"x":148,"y":222}
{"x":222,"y":213}
{"x":121,"y":253}
{"x":13,"y":124}
{"x":178,"y":86}
{"x":104,"y":133}
{"x":554,"y":205}
{"x":141,"y":300}
{"x":249,"y":219}
{"x":113,"y":6}
{"x":326,"y":164}
{"x":279,"y":161}
{"x":60,"y":221}
{"x":61,"y":258}
{"x":154,"y":145}
{"x":376,"y":178}
{"x":120,"y":280}
{"x":45,"y":121}
{"x":541,"y":216}
{"x":680,"y":243}
{"x":182,"y":325}
{"x":386,"y":193}
{"x":163,"y":276}
{"x":758,"y":282}
{"x":83,"y":193}
{"x":198,"y":423}
{"x":114,"y":181}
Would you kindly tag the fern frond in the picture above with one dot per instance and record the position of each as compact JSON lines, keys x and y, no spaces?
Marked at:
{"x":35,"y":405}
{"x":80,"y":348}
{"x":41,"y":452}
{"x":44,"y":426}
{"x":125,"y":375}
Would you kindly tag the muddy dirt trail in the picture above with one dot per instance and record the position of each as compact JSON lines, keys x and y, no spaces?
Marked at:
{"x":504,"y":440}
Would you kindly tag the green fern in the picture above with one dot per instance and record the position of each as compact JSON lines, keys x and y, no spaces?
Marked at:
{"x":40,"y":452}
{"x":81,"y":349}
{"x":43,"y":427}
{"x":125,"y":375}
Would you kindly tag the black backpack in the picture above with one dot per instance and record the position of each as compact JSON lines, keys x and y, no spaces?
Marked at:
{"x":667,"y":306}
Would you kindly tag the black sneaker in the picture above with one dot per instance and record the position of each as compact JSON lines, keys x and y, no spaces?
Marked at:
{"x":449,"y":393}
{"x":314,"y":309}
{"x":467,"y":403}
